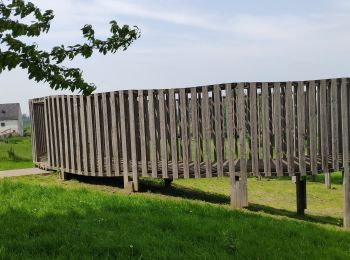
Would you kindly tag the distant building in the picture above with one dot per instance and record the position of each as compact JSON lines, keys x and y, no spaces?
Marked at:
{"x":11,"y":121}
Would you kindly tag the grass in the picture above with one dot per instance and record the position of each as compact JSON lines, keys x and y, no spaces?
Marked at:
{"x":277,"y":196}
{"x":41,"y":217}
{"x":15,"y":153}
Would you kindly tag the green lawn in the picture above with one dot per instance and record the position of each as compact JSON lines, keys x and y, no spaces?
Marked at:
{"x":277,"y":196}
{"x":42,"y":217}
{"x":15,"y":153}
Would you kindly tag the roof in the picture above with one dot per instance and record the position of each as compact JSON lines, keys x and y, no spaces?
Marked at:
{"x":10,"y":111}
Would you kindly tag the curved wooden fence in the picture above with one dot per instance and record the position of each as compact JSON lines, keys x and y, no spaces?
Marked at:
{"x":237,"y":129}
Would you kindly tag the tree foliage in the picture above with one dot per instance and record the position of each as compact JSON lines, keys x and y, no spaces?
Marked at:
{"x":46,"y":66}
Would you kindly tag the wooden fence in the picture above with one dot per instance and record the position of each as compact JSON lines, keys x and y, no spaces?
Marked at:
{"x":236,"y":129}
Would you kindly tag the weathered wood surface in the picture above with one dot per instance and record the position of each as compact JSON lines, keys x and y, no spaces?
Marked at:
{"x":236,"y":129}
{"x":345,"y":141}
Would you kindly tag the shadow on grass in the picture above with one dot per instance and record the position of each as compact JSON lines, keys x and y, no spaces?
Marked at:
{"x":336,"y":178}
{"x":291,"y":214}
{"x":194,"y":194}
{"x":157,"y":186}
{"x":108,"y":181}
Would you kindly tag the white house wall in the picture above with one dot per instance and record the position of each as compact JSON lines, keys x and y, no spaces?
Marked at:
{"x":13,"y":125}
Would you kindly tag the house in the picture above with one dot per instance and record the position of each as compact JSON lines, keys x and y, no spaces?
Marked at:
{"x":11,"y":121}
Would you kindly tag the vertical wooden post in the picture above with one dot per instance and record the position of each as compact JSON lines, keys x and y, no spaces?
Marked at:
{"x":167,"y":182}
{"x":324,"y":131}
{"x":143,"y":132}
{"x":195,"y":132}
{"x":266,"y":130}
{"x":242,"y":182}
{"x":218,"y":130}
{"x":184,"y":133}
{"x":163,"y":135}
{"x":345,"y":130}
{"x":239,"y":198}
{"x":254,"y":129}
{"x":301,"y":127}
{"x":289,"y":129}
{"x":133,"y":125}
{"x":313,"y":129}
{"x":173,"y":133}
{"x":124,"y":141}
{"x":327,"y":180}
{"x":300,"y":183}
{"x":152,"y":132}
{"x":206,"y":131}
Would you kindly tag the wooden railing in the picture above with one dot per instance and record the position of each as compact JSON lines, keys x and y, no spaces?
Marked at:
{"x":236,"y":129}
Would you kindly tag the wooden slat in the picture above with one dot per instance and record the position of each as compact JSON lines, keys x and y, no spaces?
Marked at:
{"x":143,"y":143}
{"x":99,"y":158}
{"x":55,"y":134}
{"x":254,"y":129}
{"x":324,"y":125}
{"x":65,"y":133}
{"x":266,"y":129}
{"x":83,"y":135}
{"x":195,"y":131}
{"x":206,"y":131}
{"x":50,"y":130}
{"x":218,"y":130}
{"x":289,"y":128}
{"x":173,"y":134}
{"x":277,"y":128}
{"x":107,"y":139}
{"x":77,"y":135}
{"x":334,"y":122}
{"x":152,"y":132}
{"x":318,"y":120}
{"x":124,"y":135}
{"x":163,"y":141}
{"x":60,"y":134}
{"x":46,"y":115}
{"x":295,"y":121}
{"x":71,"y":133}
{"x":115,"y":141}
{"x":184,"y":133}
{"x":301,"y":127}
{"x":345,"y":135}
{"x":230,"y":132}
{"x":313,"y":127}
{"x":133,"y":146}
{"x":32,"y":118}
{"x":241,"y":128}
{"x":90,"y":130}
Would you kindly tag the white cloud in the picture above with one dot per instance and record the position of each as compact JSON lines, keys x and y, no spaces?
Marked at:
{"x":181,"y":46}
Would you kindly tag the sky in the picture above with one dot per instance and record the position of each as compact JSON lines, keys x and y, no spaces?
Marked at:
{"x":187,"y":43}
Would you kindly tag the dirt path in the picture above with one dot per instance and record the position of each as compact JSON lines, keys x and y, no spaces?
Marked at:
{"x":21,"y":172}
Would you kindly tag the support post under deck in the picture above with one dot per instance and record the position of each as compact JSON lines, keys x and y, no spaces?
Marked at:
{"x":239,"y":192}
{"x":327,"y":180}
{"x":167,"y":182}
{"x":300,"y":183}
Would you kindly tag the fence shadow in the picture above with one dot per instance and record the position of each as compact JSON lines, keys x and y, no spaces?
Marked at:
{"x":195,"y":194}
{"x":175,"y":190}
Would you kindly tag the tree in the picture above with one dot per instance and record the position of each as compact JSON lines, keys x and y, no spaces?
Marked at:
{"x":43,"y":66}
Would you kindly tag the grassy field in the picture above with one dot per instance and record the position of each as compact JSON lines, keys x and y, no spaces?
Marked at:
{"x":15,"y":153}
{"x":42,"y":217}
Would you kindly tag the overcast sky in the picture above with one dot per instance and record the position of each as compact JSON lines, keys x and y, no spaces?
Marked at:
{"x":188,"y":43}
